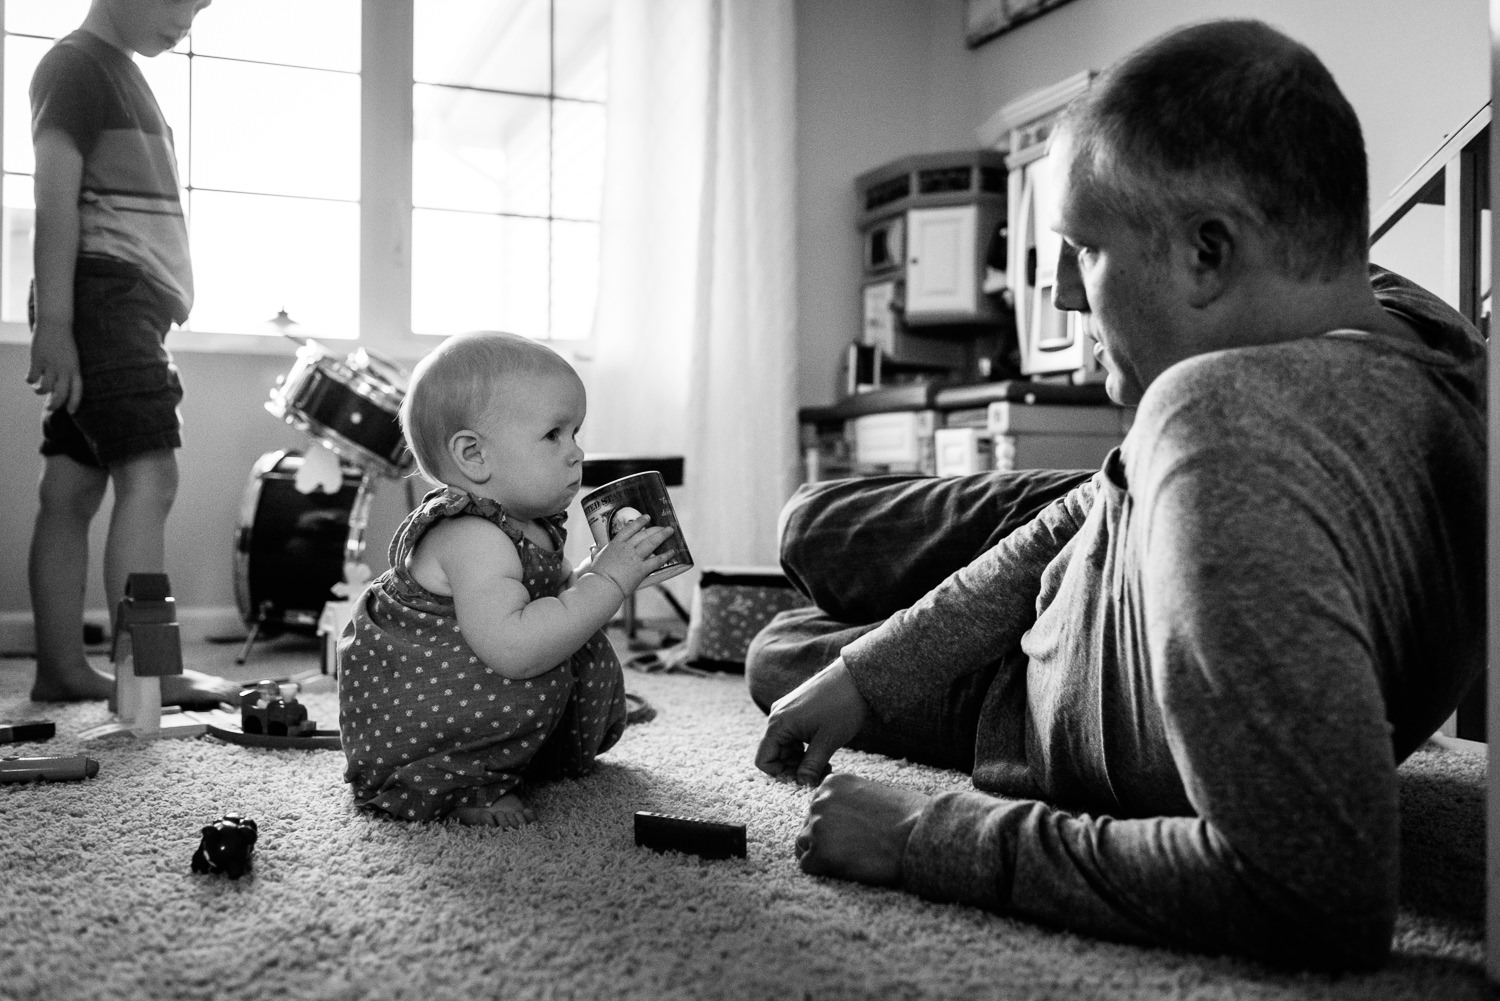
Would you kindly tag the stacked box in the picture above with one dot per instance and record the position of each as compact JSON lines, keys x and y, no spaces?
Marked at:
{"x":731,"y":605}
{"x":899,"y":442}
{"x":1054,"y":436}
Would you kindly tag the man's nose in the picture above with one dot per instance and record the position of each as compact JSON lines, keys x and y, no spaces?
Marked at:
{"x":1067,"y":290}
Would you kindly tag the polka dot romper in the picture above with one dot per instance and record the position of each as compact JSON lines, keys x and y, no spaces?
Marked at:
{"x":426,"y":726}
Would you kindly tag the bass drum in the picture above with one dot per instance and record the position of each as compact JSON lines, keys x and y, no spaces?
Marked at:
{"x":289,"y":547}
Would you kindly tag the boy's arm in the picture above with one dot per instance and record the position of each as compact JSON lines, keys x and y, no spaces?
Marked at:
{"x":54,"y":354}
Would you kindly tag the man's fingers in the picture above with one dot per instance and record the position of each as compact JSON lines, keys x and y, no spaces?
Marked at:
{"x":814,"y":767}
{"x":781,"y":751}
{"x":773,"y":756}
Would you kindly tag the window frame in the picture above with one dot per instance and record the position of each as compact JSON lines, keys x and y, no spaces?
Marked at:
{"x":385,"y":207}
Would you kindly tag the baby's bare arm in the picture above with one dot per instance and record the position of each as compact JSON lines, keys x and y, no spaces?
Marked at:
{"x":515,"y":636}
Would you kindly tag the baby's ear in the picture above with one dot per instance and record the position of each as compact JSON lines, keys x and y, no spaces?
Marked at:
{"x":467,"y":452}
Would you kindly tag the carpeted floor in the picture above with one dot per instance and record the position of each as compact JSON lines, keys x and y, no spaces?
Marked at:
{"x":98,"y":900}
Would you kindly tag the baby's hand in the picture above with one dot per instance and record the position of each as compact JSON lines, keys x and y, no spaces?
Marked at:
{"x":631,"y":555}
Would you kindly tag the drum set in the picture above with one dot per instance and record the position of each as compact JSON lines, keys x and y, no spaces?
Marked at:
{"x":295,"y":545}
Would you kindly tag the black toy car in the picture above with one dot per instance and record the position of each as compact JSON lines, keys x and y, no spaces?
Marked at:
{"x":226,"y":846}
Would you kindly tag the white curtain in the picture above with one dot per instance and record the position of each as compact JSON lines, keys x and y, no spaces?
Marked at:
{"x":694,"y":351}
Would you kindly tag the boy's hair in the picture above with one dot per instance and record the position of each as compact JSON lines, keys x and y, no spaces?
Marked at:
{"x":453,"y":386}
{"x":1229,"y":115}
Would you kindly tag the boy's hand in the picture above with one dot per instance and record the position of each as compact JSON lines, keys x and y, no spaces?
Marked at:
{"x":628,"y":557}
{"x":54,"y":368}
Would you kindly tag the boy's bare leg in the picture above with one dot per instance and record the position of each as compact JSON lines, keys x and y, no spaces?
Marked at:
{"x":145,"y":488}
{"x":57,"y":570}
{"x":507,"y":811}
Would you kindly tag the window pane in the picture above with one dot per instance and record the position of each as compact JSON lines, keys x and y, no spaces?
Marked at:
{"x":476,"y":272}
{"x":167,"y":75}
{"x":575,"y":278}
{"x":21,"y":57}
{"x":255,"y":254}
{"x":495,"y":44}
{"x":581,"y":37}
{"x":320,"y":33}
{"x":18,"y":222}
{"x":577,"y":159}
{"x":478,"y":151}
{"x":53,"y":18}
{"x":275,"y":129}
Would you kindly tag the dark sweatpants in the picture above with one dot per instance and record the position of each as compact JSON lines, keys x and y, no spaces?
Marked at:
{"x":862,"y":549}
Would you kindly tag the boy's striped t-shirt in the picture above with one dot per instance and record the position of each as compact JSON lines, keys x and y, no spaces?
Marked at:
{"x":129,"y":202}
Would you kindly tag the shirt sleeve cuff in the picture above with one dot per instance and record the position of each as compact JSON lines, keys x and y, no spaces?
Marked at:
{"x":962,"y":850}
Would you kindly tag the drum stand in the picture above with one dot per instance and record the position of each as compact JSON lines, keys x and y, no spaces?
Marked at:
{"x":354,"y":553}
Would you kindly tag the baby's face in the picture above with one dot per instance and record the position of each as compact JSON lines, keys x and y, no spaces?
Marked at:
{"x":529,"y":444}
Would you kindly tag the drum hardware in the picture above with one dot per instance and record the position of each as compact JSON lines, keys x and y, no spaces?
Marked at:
{"x":291,"y":547}
{"x":351,"y":405}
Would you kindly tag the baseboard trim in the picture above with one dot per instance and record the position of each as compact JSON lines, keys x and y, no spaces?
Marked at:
{"x":16,"y":631}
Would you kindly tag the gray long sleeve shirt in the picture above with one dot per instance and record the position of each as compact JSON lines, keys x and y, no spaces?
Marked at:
{"x":1220,"y":647}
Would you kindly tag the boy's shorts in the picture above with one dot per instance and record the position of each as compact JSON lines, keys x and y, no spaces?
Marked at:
{"x":131,"y":389}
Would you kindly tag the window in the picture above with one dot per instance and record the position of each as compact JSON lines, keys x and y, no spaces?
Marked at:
{"x":423,"y":166}
{"x":507,"y":165}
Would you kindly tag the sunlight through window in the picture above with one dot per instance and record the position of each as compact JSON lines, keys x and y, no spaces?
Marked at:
{"x":507,"y":127}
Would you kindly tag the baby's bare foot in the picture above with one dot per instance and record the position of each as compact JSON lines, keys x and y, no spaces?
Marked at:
{"x":507,"y":811}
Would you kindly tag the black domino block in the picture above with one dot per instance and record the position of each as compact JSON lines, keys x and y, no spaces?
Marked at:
{"x":707,"y":838}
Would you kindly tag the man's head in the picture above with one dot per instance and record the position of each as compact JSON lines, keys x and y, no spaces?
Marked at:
{"x":1221,"y":151}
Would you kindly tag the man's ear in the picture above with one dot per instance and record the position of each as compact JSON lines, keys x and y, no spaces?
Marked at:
{"x":1212,"y":256}
{"x":466,"y":449}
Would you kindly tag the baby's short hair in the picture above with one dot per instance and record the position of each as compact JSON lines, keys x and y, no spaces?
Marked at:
{"x":454,"y":384}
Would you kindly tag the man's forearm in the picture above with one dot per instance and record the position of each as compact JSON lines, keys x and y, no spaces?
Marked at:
{"x":1168,"y":881}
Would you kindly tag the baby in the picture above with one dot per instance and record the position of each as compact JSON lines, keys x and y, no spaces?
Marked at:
{"x":479,"y":660}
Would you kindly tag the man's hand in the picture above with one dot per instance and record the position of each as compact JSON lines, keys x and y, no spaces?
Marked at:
{"x":809,"y":723}
{"x":857,"y":829}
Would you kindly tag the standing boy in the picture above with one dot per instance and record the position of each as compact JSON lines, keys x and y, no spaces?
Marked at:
{"x":112,"y":275}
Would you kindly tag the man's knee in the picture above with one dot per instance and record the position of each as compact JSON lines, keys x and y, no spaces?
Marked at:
{"x":766,"y":672}
{"x":792,"y":530}
{"x":794,"y":646}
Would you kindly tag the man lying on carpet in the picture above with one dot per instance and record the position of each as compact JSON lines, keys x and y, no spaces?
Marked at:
{"x":479,"y":659}
{"x":1183,"y":684}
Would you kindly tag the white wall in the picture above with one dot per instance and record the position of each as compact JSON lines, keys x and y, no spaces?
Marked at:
{"x":879,"y":80}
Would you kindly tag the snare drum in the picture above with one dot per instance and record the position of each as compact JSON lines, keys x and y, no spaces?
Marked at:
{"x":350,"y":405}
{"x":290,"y":546}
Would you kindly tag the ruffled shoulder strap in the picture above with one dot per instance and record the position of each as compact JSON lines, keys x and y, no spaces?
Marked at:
{"x":443,"y":503}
